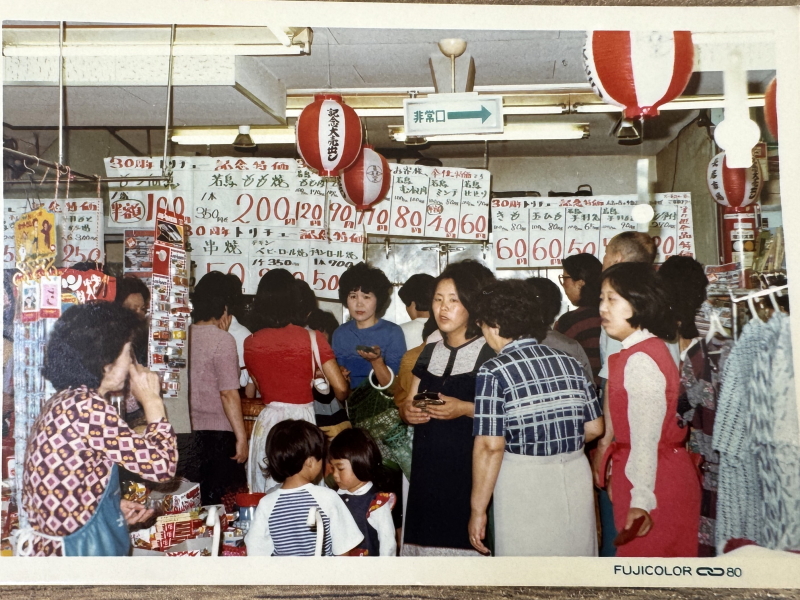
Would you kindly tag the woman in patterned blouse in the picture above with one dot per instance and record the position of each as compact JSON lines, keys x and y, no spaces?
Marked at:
{"x":70,"y":483}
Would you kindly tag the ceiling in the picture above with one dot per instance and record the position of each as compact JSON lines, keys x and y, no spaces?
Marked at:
{"x":236,"y":76}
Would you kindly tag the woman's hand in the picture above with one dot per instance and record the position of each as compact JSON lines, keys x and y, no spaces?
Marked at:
{"x":477,"y":532}
{"x":451,"y":409}
{"x":370,"y":356}
{"x":225,"y":322}
{"x":134,"y":512}
{"x":635,"y":513}
{"x":411,"y":414}
{"x":145,"y":385}
{"x":345,"y":373}
{"x":242,"y":451}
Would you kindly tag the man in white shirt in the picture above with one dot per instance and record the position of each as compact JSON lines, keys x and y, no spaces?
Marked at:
{"x":416,"y":294}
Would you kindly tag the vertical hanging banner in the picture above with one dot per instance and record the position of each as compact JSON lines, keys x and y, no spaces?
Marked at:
{"x":541,"y":233}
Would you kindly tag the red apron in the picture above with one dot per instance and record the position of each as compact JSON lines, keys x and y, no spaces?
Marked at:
{"x":676,"y":517}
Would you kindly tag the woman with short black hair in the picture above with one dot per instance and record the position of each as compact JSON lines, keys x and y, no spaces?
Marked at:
{"x":581,"y":282}
{"x":71,"y":490}
{"x":653,"y":485}
{"x":441,"y":476}
{"x":534,"y":411}
{"x":278,"y":357}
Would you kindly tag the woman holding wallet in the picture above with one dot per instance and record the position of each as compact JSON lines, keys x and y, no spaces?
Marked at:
{"x":654,"y":485}
{"x":441,"y":475}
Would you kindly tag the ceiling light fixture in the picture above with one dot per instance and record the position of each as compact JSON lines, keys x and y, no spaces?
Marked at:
{"x":243,"y":141}
{"x":204,"y":136}
{"x":627,"y":133}
{"x":688,"y":104}
{"x":512,"y":132}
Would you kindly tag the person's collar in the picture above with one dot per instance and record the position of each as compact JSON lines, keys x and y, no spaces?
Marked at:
{"x":234,"y":321}
{"x":359,"y":492}
{"x":521,"y":342}
{"x":637,"y":336}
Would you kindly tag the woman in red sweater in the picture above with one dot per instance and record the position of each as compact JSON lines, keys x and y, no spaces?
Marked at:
{"x":278,"y":357}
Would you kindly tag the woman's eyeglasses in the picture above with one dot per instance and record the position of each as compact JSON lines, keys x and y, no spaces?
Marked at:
{"x":563,"y":278}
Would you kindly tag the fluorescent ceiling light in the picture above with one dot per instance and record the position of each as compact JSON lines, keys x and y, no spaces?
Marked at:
{"x":154,"y":50}
{"x":687,"y":104}
{"x":553,"y":109}
{"x":205,"y":136}
{"x":511,"y":132}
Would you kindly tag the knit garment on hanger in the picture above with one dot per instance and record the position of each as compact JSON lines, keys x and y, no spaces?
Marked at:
{"x":775,"y":435}
{"x":756,"y":434}
{"x":740,"y":509}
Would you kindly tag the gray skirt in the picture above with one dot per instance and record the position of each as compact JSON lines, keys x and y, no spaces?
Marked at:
{"x":544,"y":506}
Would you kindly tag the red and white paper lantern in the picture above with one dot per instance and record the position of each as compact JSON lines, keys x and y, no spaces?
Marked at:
{"x":639,"y":70}
{"x":733,"y":187}
{"x":328,"y":135}
{"x":771,"y":109}
{"x":366,"y":181}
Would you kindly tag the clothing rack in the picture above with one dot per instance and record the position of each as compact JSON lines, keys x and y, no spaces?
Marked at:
{"x":69,"y":175}
{"x":749,"y":298}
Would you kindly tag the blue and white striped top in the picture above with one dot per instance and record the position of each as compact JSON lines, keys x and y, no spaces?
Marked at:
{"x":279,"y":525}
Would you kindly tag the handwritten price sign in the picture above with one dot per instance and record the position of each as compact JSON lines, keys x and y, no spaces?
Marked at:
{"x":541,"y":233}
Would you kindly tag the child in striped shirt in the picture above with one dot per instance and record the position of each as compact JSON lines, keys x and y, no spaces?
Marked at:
{"x":294,"y":455}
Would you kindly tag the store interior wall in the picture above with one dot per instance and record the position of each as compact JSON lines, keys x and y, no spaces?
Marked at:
{"x":681,"y":167}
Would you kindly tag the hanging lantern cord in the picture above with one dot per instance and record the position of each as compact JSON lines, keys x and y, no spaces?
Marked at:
{"x":165,"y":171}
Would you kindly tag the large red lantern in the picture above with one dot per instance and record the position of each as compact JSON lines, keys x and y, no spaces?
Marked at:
{"x":366,"y":181}
{"x":771,"y":109}
{"x":639,"y":70}
{"x":328,"y":135}
{"x":733,"y":187}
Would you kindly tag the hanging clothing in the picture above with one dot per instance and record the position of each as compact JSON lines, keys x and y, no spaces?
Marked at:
{"x":701,"y":375}
{"x":758,"y":443}
{"x":651,"y":468}
{"x":740,"y":510}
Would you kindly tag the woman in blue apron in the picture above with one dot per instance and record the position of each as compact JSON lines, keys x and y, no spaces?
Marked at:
{"x":71,"y":493}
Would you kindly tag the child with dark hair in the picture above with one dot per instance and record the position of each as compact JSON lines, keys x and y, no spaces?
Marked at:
{"x":358,"y":471}
{"x":295,"y":450}
{"x":367,"y":292}
{"x":661,"y":513}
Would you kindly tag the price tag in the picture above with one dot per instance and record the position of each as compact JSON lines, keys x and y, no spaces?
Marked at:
{"x":444,"y":208}
{"x":510,"y":220}
{"x":310,"y":192}
{"x":582,"y":230}
{"x":277,"y":253}
{"x":79,"y":230}
{"x":375,"y":220}
{"x":473,"y":223}
{"x":614,"y":220}
{"x":327,"y":263}
{"x":341,"y":214}
{"x":546,"y":241}
{"x":409,"y":196}
{"x":225,"y":264}
{"x":13,"y":208}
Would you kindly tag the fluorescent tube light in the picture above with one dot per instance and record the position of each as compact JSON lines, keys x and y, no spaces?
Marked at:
{"x":688,"y":104}
{"x":511,"y":132}
{"x":205,"y":136}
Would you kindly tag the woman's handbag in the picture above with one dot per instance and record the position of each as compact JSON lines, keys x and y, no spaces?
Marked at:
{"x":371,"y":409}
{"x":318,"y":383}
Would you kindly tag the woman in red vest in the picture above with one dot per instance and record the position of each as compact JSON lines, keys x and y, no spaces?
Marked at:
{"x":652,"y":481}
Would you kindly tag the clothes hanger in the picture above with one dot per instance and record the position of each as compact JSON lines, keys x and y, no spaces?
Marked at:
{"x":715,"y":326}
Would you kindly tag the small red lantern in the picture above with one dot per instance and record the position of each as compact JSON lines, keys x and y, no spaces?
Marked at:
{"x":328,"y":135}
{"x":733,"y":187}
{"x":366,"y":181}
{"x":639,"y":70}
{"x":771,"y":108}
